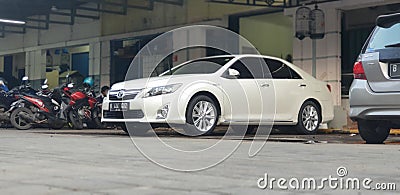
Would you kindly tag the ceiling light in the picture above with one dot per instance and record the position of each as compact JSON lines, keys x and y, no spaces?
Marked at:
{"x":53,"y":8}
{"x":12,"y":21}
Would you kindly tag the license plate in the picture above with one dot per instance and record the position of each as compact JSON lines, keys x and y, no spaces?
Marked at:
{"x":394,"y":70}
{"x":119,"y":106}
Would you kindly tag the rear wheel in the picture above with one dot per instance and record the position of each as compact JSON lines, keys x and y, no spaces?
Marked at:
{"x":309,"y":118}
{"x":74,"y":120}
{"x":19,"y":122}
{"x":373,"y":132}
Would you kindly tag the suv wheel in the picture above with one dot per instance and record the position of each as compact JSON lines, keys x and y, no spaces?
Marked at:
{"x":373,"y":132}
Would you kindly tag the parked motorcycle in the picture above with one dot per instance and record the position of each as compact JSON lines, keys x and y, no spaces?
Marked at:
{"x":7,"y":98}
{"x":84,"y":103}
{"x":41,"y":108}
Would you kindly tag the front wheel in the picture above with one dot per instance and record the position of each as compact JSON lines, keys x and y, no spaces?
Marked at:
{"x":309,"y":118}
{"x":201,"y":116}
{"x":373,"y":132}
{"x":17,"y":121}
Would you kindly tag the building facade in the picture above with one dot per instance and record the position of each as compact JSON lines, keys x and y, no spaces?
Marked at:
{"x":103,"y":46}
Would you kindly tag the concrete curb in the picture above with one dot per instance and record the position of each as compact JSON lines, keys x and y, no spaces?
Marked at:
{"x":351,"y":131}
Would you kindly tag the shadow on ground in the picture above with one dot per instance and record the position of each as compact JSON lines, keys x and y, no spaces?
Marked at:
{"x":276,"y":135}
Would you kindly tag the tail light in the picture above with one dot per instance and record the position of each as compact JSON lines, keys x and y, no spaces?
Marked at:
{"x":358,"y":71}
{"x":329,"y":87}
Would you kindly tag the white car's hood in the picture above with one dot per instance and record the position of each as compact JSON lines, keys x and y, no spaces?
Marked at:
{"x":156,"y":81}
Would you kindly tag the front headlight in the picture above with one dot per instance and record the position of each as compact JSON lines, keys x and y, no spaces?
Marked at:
{"x":161,"y":90}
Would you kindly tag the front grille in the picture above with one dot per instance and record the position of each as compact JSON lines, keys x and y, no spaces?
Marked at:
{"x":131,"y":114}
{"x":123,"y":94}
{"x":125,"y":97}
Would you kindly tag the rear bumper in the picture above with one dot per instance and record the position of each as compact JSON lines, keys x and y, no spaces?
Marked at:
{"x":366,"y":104}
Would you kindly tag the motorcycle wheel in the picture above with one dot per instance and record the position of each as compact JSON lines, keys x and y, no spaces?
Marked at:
{"x":75,"y":120}
{"x":18,"y":122}
{"x":95,"y":123}
{"x":57,"y":125}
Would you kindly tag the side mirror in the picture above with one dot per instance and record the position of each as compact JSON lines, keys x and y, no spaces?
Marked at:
{"x":233,"y":73}
{"x":25,"y":78}
{"x":45,"y":82}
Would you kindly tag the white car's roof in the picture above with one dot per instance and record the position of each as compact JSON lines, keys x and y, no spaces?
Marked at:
{"x":237,"y":56}
{"x":300,"y":71}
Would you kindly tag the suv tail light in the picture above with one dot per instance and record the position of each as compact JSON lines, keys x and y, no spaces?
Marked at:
{"x":358,"y":71}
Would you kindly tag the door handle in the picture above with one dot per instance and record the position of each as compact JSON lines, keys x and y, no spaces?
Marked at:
{"x":302,"y":85}
{"x":265,"y":85}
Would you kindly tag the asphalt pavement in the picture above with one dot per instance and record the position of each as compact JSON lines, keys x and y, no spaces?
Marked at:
{"x":43,"y":161}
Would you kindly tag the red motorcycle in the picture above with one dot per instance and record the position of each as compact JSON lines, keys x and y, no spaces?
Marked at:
{"x":41,"y":108}
{"x":85,"y":108}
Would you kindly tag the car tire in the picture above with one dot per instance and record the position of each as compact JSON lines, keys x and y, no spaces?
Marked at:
{"x":135,"y":129}
{"x":201,"y":116}
{"x":373,"y":132}
{"x":309,"y":118}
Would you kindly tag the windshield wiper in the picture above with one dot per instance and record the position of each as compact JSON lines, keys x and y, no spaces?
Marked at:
{"x":393,"y":45}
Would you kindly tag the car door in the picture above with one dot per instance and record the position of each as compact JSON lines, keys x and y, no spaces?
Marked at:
{"x":290,"y":90}
{"x":243,"y":96}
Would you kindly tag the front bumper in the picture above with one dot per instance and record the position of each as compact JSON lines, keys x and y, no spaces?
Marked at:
{"x":145,"y":110}
{"x":366,"y":104}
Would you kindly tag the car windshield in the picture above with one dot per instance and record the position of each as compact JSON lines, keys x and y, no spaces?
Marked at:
{"x":201,"y":66}
{"x":385,"y":38}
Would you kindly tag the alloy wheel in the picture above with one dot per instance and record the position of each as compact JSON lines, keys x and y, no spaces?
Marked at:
{"x":310,"y":118}
{"x":204,"y":115}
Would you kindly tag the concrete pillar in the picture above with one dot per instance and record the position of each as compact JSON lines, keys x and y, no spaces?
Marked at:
{"x":105,"y":62}
{"x":328,"y":53}
{"x":94,"y":62}
{"x":2,"y":64}
{"x":35,"y":66}
{"x":328,"y":57}
{"x":187,"y":39}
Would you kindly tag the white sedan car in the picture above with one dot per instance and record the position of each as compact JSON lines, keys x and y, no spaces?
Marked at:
{"x":222,"y":90}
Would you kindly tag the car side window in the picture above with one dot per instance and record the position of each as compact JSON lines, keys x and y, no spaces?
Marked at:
{"x":294,"y":74}
{"x":249,"y":68}
{"x":280,"y":70}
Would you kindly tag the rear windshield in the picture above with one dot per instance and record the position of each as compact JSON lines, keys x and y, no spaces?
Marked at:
{"x":384,"y":38}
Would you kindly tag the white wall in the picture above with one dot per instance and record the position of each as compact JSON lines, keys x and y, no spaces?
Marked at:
{"x":328,"y":52}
